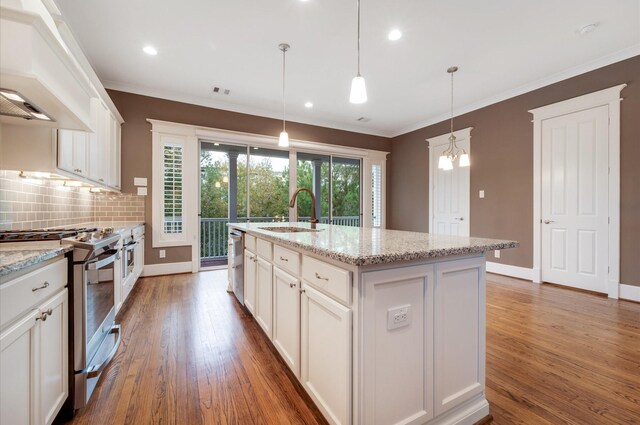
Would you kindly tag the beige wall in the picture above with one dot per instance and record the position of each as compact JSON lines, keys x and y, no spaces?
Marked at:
{"x":136,"y":143}
{"x":502,"y":166}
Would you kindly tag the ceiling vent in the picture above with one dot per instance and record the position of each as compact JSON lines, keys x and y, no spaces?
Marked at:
{"x":363,"y":119}
{"x":220,"y":90}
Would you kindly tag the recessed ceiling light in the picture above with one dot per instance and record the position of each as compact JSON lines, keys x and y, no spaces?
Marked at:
{"x":395,"y":34}
{"x":308,"y":105}
{"x":588,"y":28}
{"x":150,"y":50}
{"x":12,"y":96}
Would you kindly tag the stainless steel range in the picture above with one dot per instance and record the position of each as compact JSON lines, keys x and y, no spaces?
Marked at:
{"x":94,"y":335}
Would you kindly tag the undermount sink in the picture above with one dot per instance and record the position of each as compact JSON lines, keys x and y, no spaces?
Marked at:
{"x":289,"y":229}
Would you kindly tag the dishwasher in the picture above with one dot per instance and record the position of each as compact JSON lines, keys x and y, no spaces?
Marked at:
{"x":236,"y":257}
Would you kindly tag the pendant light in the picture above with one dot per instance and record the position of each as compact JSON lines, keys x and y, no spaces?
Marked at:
{"x":358,"y":86}
{"x":283,"y":141}
{"x":445,"y":162}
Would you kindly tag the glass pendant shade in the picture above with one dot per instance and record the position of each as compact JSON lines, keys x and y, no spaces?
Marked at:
{"x":283,"y":141}
{"x":448,"y":163}
{"x":464,"y":160}
{"x":358,"y":90}
{"x":442,"y":161}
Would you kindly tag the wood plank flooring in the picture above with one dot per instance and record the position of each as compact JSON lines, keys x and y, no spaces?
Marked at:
{"x":190,"y":355}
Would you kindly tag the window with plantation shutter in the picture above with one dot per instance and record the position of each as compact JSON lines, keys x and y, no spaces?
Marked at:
{"x":172,"y":186}
{"x":376,"y":195}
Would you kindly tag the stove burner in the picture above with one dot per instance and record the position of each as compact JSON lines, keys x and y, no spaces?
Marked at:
{"x":40,"y":234}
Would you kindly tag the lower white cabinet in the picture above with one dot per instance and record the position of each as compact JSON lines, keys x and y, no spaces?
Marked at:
{"x":264,"y":295}
{"x":326,"y":354}
{"x":54,"y":379}
{"x":250,"y":281}
{"x":286,"y":318}
{"x":34,"y":364}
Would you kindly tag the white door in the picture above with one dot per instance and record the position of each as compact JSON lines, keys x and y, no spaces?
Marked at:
{"x":326,"y":354}
{"x":19,"y":373}
{"x":53,"y":357}
{"x":264,"y":291}
{"x":250,"y":281}
{"x":449,"y":192}
{"x":286,"y":318}
{"x":575,"y":199}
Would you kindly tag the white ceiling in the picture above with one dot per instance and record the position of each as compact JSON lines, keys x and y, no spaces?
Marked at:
{"x":502,"y":47}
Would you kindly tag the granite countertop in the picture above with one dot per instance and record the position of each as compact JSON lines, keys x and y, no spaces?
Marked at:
{"x":360,"y":246}
{"x":17,"y":256}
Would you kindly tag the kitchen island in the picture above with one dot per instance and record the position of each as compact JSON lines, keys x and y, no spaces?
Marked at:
{"x":379,"y":326}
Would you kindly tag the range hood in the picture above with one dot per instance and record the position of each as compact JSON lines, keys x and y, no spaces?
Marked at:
{"x":42,"y":81}
{"x":14,"y":104}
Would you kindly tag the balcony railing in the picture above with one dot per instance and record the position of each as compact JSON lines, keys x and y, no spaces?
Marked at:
{"x":214,"y":232}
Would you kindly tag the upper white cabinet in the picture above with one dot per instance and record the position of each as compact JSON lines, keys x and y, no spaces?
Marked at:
{"x":72,"y":151}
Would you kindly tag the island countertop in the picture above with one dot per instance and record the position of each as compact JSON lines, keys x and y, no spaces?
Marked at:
{"x":362,"y":246}
{"x":17,"y":256}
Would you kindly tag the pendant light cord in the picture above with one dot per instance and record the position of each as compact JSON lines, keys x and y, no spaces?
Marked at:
{"x":358,"y":37}
{"x":452,"y":104}
{"x":284,"y":107}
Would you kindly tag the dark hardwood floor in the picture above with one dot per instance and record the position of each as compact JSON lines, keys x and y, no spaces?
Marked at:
{"x":190,"y":355}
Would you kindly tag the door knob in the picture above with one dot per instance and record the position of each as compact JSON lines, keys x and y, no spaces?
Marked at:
{"x":548,"y":221}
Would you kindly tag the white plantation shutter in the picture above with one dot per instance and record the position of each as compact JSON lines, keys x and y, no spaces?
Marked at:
{"x":172,"y":185}
{"x":376,"y":195}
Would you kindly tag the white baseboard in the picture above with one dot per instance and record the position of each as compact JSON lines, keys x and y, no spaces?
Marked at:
{"x":507,"y":270}
{"x":166,"y":268}
{"x":629,"y":292}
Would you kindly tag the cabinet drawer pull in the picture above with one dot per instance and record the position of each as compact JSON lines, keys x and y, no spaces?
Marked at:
{"x":321,"y":278}
{"x":102,"y":180}
{"x":302,"y":291}
{"x":283,"y":259}
{"x":44,"y":285}
{"x":292,"y":285}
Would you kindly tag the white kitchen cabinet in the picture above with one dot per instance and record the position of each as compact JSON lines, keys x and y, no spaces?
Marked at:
{"x":286,"y":318}
{"x":250,"y":261}
{"x":99,"y":149}
{"x":54,"y":379}
{"x":115,"y":152}
{"x":72,"y":151}
{"x":19,"y":371}
{"x":34,"y":352}
{"x":326,"y":354}
{"x":264,"y":296}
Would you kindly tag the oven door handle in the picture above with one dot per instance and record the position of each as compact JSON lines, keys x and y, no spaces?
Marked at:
{"x":96,"y":370}
{"x":131,"y":245}
{"x":101,"y":262}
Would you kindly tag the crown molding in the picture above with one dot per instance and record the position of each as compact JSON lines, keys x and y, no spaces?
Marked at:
{"x":234,"y":107}
{"x":560,"y":76}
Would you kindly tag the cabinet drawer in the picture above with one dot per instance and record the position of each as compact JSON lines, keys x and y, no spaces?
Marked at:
{"x":264,"y":249}
{"x":286,"y":259}
{"x":329,"y":279}
{"x":250,"y":242}
{"x":18,"y":295}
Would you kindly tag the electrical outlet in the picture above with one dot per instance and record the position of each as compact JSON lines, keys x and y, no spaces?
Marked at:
{"x":163,"y":253}
{"x":481,"y":194}
{"x":496,"y":253}
{"x":398,"y":317}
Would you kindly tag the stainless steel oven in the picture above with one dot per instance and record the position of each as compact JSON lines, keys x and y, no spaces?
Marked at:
{"x":96,"y":337}
{"x":128,"y":257}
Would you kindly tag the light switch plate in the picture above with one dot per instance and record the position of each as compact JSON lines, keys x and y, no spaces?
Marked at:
{"x":162,"y":253}
{"x":496,"y":253}
{"x":481,"y":194}
{"x":139,"y":181}
{"x":142,"y":191}
{"x":398,"y":317}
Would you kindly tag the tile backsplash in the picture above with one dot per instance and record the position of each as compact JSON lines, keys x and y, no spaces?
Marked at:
{"x":33,"y":204}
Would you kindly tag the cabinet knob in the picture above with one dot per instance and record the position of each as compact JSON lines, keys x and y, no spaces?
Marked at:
{"x":44,"y":315}
{"x":44,"y":285}
{"x":292,"y":285}
{"x":302,"y":291}
{"x":102,"y":180}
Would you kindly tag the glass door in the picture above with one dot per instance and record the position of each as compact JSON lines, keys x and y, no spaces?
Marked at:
{"x":223,"y":197}
{"x":345,"y":191}
{"x":313,"y":172}
{"x":268,"y":185}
